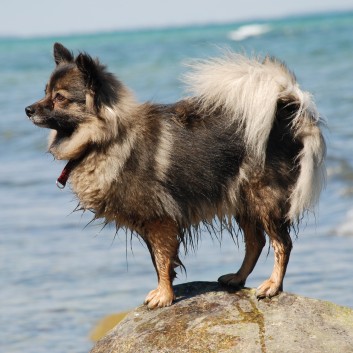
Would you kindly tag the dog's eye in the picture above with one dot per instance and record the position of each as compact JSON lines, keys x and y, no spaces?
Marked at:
{"x":59,"y":98}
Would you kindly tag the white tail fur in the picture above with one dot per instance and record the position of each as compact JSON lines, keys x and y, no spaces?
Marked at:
{"x":312,"y":175}
{"x":249,"y":89}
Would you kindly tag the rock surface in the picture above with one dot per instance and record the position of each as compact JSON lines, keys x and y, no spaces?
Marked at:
{"x":209,"y":318}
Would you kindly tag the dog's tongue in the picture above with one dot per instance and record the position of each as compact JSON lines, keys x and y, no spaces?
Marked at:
{"x":61,"y":181}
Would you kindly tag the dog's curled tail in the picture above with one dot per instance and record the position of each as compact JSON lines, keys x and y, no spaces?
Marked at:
{"x":248,"y":90}
{"x":306,"y":128}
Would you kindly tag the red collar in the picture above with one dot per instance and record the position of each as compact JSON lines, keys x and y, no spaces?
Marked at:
{"x":61,"y":181}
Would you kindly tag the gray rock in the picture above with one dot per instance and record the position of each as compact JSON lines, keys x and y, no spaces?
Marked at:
{"x":209,"y":318}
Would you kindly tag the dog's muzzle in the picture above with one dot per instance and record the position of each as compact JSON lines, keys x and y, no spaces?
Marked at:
{"x":30,"y":111}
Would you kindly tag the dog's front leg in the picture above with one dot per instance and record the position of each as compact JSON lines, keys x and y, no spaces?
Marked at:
{"x":162,"y":240}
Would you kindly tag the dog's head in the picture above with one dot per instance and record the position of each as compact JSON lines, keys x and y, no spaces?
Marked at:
{"x":80,"y":104}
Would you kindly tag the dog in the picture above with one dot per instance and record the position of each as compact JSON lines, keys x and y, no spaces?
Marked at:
{"x":243,"y":150}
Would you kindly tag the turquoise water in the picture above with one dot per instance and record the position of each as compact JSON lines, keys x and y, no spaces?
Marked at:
{"x":59,"y":278}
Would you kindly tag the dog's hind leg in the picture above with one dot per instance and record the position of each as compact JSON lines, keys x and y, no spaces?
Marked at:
{"x":282,"y":245}
{"x":163,"y":243}
{"x":254,"y":242}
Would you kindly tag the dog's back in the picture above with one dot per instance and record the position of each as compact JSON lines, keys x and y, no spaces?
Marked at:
{"x":247,"y":145}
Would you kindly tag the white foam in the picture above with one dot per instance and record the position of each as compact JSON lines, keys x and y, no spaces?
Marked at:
{"x":346,"y":226}
{"x":247,"y":31}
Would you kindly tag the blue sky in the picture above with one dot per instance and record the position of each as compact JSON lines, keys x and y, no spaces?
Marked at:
{"x":46,"y":17}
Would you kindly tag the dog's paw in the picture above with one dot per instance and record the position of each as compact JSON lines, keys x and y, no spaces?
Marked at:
{"x":268,"y":289}
{"x":159,"y":298}
{"x":232,"y":279}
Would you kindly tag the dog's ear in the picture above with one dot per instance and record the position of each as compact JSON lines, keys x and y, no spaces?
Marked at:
{"x":103,"y":84}
{"x":89,"y":69}
{"x":61,"y":54}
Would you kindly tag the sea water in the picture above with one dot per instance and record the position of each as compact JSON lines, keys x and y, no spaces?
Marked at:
{"x":59,"y":277}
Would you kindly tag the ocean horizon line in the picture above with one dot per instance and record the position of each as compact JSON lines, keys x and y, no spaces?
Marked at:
{"x":181,"y":26}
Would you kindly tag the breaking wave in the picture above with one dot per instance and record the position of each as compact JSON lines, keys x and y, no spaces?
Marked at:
{"x":248,"y":31}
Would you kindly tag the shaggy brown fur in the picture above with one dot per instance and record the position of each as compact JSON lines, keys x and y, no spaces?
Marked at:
{"x":245,"y":148}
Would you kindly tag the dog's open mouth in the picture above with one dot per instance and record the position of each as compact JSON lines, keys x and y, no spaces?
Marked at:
{"x":36,"y":120}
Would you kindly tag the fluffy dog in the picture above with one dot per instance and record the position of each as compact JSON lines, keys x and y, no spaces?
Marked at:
{"x":244,"y":150}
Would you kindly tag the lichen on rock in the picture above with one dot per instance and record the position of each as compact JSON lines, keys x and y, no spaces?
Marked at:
{"x":207,"y":317}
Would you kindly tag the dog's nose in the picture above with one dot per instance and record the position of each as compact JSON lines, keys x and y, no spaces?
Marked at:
{"x":29,"y":110}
